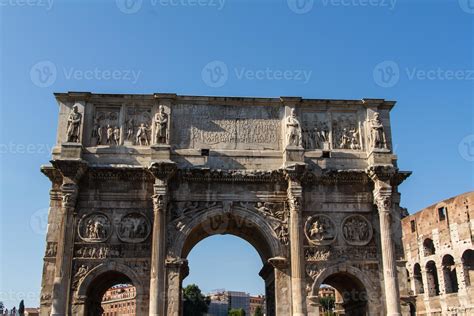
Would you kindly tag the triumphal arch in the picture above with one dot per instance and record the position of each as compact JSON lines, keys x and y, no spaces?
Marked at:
{"x":139,"y":180}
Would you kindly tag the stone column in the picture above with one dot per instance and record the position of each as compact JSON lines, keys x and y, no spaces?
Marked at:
{"x":71,"y":171}
{"x":162,"y":171}
{"x":176,"y":270}
{"x":383,"y":200}
{"x":295,"y":200}
{"x":282,"y":284}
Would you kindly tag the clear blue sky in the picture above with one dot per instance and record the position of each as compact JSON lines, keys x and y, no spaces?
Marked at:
{"x":419,"y":53}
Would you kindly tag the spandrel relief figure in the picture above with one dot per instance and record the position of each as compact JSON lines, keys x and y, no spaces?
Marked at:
{"x":377,"y":132}
{"x":74,"y":125}
{"x":142,"y":138}
{"x":161,"y":126}
{"x":294,"y":130}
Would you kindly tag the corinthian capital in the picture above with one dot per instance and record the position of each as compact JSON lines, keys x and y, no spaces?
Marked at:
{"x":383,"y":202}
{"x":69,"y":194}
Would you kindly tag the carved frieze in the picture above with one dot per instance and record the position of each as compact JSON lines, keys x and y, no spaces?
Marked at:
{"x":356,"y":230}
{"x":105,"y":251}
{"x":315,"y":130}
{"x":137,"y":127}
{"x":230,"y":127}
{"x":336,"y":254}
{"x":51,"y":249}
{"x":133,"y":228}
{"x":320,"y":230}
{"x":95,"y":227}
{"x":345,"y":131}
{"x":106,"y":127}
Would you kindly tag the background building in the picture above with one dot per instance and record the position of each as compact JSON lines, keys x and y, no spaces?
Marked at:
{"x":438,"y":246}
{"x":222,"y":301}
{"x":119,"y":300}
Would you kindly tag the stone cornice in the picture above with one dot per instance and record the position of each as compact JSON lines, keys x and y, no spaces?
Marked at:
{"x":52,"y":173}
{"x":163,"y":169}
{"x":72,"y":170}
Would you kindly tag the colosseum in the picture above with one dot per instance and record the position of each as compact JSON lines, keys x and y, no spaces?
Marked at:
{"x":438,"y":245}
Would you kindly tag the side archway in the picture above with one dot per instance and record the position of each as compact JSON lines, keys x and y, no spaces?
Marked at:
{"x":98,"y":280}
{"x":358,"y":293}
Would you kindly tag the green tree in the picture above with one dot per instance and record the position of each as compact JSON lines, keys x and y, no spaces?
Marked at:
{"x":237,"y":312}
{"x":195,"y":304}
{"x":258,"y":311}
{"x":327,"y":304}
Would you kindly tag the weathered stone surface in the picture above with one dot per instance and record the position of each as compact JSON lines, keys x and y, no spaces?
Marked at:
{"x":139,"y":180}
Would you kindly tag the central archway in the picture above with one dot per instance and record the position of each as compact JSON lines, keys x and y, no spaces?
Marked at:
{"x":251,"y":227}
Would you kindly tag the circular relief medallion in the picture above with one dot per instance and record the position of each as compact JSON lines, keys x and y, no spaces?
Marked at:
{"x":95,"y":227}
{"x":356,"y":230}
{"x":320,"y":230}
{"x":133,"y":228}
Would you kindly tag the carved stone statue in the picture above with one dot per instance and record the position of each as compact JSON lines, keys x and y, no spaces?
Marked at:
{"x":142,"y":135}
{"x":293,"y":130}
{"x":161,"y":126}
{"x":74,"y":125}
{"x":377,"y":133}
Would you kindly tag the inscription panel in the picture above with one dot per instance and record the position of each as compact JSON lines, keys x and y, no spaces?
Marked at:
{"x":226,"y":127}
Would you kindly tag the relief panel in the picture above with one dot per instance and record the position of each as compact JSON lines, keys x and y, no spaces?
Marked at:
{"x":227,"y":127}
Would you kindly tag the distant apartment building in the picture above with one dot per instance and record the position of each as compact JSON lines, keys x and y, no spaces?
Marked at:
{"x":439,"y":253}
{"x":222,"y":301}
{"x":256,"y":302}
{"x":119,"y":301}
